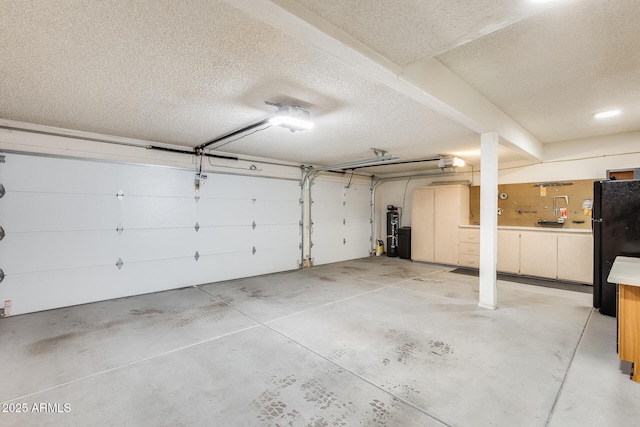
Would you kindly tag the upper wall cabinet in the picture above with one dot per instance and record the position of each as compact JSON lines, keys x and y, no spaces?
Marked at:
{"x":436,"y":214}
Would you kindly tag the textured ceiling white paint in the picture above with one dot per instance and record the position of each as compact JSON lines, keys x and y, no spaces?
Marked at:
{"x":407,"y":31}
{"x":552,"y":72}
{"x":186,"y":72}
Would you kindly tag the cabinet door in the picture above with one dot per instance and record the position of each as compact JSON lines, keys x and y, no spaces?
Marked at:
{"x":575,"y":257}
{"x":447,"y":214}
{"x":509,"y":251}
{"x":422,"y":221}
{"x":539,"y":254}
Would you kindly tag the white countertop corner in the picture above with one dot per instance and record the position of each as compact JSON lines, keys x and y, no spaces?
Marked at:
{"x":625,"y":271}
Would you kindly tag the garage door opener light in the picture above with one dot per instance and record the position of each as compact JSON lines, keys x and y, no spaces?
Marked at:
{"x":292,"y":117}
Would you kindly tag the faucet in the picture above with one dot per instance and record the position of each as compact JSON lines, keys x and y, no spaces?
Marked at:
{"x":555,"y":208}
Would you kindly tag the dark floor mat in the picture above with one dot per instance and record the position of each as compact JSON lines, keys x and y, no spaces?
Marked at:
{"x":557,"y":284}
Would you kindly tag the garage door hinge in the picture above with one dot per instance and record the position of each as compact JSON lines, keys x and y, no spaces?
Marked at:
{"x":197,"y":256}
{"x":300,"y":201}
{"x":1,"y":233}
{"x":1,"y":275}
{"x":119,"y":263}
{"x":120,"y":194}
{"x":2,"y":191}
{"x":253,"y":251}
{"x":197,"y":227}
{"x":1,"y":159}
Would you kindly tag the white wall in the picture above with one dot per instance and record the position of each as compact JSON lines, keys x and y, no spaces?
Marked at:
{"x":588,"y":158}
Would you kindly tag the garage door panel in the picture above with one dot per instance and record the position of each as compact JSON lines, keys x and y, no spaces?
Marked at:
{"x":216,"y":240}
{"x":28,"y":252}
{"x":28,"y":212}
{"x":328,"y":232}
{"x":358,"y":231}
{"x":149,"y":244}
{"x":230,"y":186}
{"x":277,"y":236}
{"x":157,"y":212}
{"x":156,"y":181}
{"x":277,"y":212}
{"x":218,"y":267}
{"x":37,"y":291}
{"x":328,"y":251}
{"x":341,"y":222}
{"x":22,"y":173}
{"x":225,"y":212}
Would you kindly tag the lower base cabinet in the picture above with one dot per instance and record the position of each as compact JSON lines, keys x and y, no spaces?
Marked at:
{"x":547,"y":254}
{"x":539,"y":255}
{"x":509,"y":251}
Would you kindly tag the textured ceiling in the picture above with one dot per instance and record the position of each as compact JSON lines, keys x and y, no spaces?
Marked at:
{"x":406,"y":31}
{"x":186,"y":72}
{"x":552,"y":72}
{"x":183,"y":73}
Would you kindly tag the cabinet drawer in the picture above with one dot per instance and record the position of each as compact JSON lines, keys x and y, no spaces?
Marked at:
{"x":469,"y":235}
{"x":470,"y":248}
{"x":467,"y":260}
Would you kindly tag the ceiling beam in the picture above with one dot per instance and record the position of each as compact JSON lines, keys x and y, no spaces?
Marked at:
{"x":427,"y":82}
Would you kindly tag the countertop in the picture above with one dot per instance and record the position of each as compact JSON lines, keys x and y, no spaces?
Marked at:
{"x":541,"y":229}
{"x":625,"y":271}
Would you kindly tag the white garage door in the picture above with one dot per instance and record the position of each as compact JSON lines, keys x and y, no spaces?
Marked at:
{"x":79,"y":231}
{"x":341,"y":221}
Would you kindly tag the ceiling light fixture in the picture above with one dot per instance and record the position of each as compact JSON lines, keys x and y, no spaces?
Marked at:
{"x":450,"y":162}
{"x":606,"y":114}
{"x":292,"y":117}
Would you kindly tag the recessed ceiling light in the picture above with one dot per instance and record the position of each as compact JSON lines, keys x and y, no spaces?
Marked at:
{"x":605,"y":114}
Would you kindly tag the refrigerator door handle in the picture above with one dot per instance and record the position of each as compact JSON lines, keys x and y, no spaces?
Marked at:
{"x":597,"y":220}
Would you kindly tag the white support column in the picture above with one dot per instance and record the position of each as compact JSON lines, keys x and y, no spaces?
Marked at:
{"x":488,"y":219}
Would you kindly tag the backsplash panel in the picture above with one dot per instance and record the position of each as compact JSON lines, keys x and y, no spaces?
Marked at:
{"x":526,"y":204}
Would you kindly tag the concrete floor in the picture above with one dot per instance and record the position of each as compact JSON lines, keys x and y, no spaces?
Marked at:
{"x":378,"y":341}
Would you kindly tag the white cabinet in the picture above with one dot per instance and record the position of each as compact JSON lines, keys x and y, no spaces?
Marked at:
{"x":437,"y":212}
{"x":549,"y":254}
{"x":509,"y":251}
{"x":422,"y":225}
{"x":469,"y":248}
{"x":575,"y":257}
{"x":539,"y":254}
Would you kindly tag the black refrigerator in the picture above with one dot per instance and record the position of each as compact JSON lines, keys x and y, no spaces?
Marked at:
{"x":616,"y":231}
